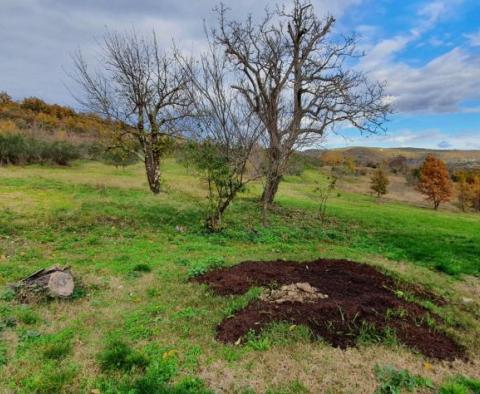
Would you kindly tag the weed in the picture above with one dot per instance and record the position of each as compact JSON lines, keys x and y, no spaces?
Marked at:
{"x":240,"y":302}
{"x":369,"y":334}
{"x":392,"y":314}
{"x":257,"y":342}
{"x":203,"y":266}
{"x":393,"y":381}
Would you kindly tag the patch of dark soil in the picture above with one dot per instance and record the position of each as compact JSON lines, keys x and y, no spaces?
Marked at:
{"x":358,"y":300}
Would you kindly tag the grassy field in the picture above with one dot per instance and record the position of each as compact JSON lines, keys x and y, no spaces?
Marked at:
{"x":135,"y":303}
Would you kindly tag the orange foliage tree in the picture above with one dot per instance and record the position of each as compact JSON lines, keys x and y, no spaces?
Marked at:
{"x":474,"y":197}
{"x":464,"y":190}
{"x":379,"y":182}
{"x":435,"y":181}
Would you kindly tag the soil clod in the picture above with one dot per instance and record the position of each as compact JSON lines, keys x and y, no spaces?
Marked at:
{"x":296,"y":292}
{"x":341,"y":301}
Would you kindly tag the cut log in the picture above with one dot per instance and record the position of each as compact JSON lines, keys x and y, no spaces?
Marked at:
{"x":54,"y":282}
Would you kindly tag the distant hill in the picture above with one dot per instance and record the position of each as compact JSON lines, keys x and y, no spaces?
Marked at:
{"x":36,"y":118}
{"x":413,"y":156}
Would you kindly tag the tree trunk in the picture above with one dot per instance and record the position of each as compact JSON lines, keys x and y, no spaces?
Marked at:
{"x":273,"y":176}
{"x":271,"y":188}
{"x":152,"y":167}
{"x":214,"y":221}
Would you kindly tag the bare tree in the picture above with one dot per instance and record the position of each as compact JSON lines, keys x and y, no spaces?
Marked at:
{"x":294,"y":77}
{"x":140,"y":87}
{"x":225,"y":131}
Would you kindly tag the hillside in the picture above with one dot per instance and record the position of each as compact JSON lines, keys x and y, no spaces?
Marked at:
{"x":34,"y":117}
{"x":414,"y":156}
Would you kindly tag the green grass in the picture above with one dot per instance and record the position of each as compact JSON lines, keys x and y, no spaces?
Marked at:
{"x":135,"y":267}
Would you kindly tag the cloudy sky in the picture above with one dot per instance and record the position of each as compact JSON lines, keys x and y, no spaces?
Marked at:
{"x":428,"y":52}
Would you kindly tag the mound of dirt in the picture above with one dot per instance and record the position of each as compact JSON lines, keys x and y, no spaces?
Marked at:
{"x":345,"y":300}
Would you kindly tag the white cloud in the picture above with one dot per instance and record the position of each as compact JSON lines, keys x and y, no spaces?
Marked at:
{"x":38,"y":36}
{"x":439,"y":86}
{"x":474,"y":39}
{"x":427,"y":139}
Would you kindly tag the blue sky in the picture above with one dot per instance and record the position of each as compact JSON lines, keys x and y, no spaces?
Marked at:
{"x":427,"y":51}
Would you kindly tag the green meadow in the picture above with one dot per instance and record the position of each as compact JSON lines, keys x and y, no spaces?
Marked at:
{"x":136,"y":323}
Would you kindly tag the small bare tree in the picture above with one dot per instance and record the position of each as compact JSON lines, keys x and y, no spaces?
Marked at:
{"x":142,"y":89}
{"x":294,"y":77}
{"x":225,"y":132}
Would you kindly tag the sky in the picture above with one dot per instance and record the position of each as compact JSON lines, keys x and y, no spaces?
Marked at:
{"x":427,"y":52}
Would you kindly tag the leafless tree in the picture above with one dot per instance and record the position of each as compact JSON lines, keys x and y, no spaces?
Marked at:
{"x":224,"y":131}
{"x":294,"y":76}
{"x":140,"y":87}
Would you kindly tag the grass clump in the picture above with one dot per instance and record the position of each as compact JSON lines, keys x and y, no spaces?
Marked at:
{"x":142,"y":268}
{"x":157,"y":379}
{"x":52,"y":378}
{"x":240,"y":302}
{"x":369,"y":334}
{"x":27,"y":316}
{"x":460,"y":385}
{"x":293,"y":387}
{"x":393,"y":381}
{"x":56,"y":346}
{"x":120,"y":356}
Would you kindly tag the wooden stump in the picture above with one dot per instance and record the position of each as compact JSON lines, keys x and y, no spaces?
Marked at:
{"x":55,"y":282}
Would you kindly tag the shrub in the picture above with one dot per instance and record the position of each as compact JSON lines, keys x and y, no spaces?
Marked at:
{"x":59,"y":152}
{"x":379,"y":182}
{"x":18,"y":150}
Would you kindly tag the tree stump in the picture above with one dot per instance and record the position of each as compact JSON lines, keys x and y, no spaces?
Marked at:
{"x":55,"y":282}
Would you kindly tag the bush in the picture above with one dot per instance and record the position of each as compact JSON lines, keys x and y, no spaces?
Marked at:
{"x":119,"y":157}
{"x":19,"y":150}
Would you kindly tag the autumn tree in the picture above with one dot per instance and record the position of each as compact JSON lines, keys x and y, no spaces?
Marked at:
{"x":142,"y":88}
{"x":464,"y":190}
{"x":435,"y":181}
{"x":474,"y":197}
{"x":294,"y":76}
{"x":379,"y":182}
